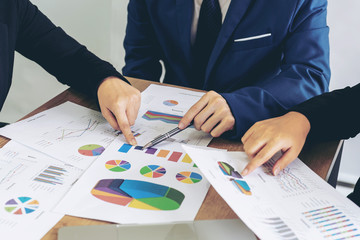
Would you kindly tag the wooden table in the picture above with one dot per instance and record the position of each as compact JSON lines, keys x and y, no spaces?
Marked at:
{"x":317,"y":156}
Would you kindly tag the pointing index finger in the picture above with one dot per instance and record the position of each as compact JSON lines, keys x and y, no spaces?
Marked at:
{"x":124,"y":126}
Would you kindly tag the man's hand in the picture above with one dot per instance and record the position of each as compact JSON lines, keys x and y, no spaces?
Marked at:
{"x":210,"y":114}
{"x":286,"y":133}
{"x":119,"y":103}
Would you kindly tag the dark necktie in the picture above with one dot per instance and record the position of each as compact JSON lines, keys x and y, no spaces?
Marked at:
{"x":209,"y":25}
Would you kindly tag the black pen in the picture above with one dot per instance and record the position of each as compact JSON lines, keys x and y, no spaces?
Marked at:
{"x":164,"y":136}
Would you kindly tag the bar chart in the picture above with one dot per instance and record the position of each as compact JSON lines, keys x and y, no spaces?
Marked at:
{"x":170,"y":155}
{"x":332,"y":222}
{"x":52,"y":175}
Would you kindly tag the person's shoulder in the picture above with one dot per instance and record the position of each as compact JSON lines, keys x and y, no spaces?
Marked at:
{"x":313,"y":2}
{"x":304,"y":7}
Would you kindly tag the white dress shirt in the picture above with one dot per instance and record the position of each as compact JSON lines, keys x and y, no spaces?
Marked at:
{"x":224,"y":5}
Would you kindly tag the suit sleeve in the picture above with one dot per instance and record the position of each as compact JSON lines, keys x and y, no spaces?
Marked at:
{"x":59,"y":54}
{"x":334,"y":115}
{"x":142,"y":51}
{"x":304,"y":71}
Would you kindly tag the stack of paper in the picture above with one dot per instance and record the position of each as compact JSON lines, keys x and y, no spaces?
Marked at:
{"x":120,"y":182}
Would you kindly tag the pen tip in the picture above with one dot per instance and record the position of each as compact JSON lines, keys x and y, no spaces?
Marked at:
{"x":145,"y":146}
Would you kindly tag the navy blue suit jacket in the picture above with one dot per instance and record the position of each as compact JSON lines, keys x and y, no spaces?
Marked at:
{"x":270,"y":54}
{"x":25,"y":29}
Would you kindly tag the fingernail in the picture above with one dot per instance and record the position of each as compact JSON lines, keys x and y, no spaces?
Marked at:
{"x":181,"y":125}
{"x":133,"y":142}
{"x":276,"y":171}
{"x":244,"y":172}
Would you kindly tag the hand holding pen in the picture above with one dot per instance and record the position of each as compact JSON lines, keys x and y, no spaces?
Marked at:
{"x":164,"y":136}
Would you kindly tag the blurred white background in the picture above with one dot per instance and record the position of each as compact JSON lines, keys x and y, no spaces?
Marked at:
{"x":100,"y":25}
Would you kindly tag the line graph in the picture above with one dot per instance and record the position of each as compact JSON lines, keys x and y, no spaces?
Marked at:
{"x":288,"y":182}
{"x":13,"y":172}
{"x":74,"y":133}
{"x":60,"y":131}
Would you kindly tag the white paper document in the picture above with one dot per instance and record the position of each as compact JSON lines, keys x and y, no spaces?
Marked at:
{"x":161,"y":110}
{"x":123,"y":184}
{"x":296,"y":204}
{"x":129,"y":185}
{"x":77,"y":135}
{"x":31,"y":184}
{"x":70,"y":133}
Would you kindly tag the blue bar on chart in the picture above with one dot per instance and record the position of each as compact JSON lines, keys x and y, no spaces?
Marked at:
{"x":125,"y":148}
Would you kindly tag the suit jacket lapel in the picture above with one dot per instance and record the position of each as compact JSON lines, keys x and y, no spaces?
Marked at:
{"x":235,"y":13}
{"x":184,"y":11}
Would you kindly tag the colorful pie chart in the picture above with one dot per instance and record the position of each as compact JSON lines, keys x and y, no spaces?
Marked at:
{"x":91,"y":150}
{"x":228,"y":170}
{"x":242,"y":186}
{"x":138,"y":194}
{"x":170,"y":103}
{"x":188,"y":177}
{"x":117,"y":165}
{"x":21,"y":205}
{"x":153,"y":171}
